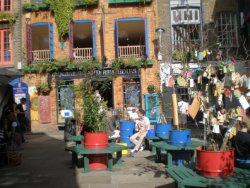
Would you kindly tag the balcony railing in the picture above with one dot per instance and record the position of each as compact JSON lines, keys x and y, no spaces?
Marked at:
{"x":82,"y":53}
{"x":131,"y":51}
{"x":41,"y":55}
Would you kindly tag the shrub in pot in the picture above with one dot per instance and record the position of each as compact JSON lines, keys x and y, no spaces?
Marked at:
{"x":95,"y":123}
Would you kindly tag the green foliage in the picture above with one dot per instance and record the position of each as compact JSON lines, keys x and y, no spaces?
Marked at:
{"x":79,"y":3}
{"x":54,"y":66}
{"x":43,"y":88}
{"x":183,"y":56}
{"x":151,"y":88}
{"x":8,"y":17}
{"x":94,"y":109}
{"x":63,"y":12}
{"x":130,"y":63}
{"x":33,"y":7}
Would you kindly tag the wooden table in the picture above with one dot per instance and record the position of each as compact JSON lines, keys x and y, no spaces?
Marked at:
{"x":173,"y":149}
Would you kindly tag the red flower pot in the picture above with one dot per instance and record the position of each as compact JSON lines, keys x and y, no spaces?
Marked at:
{"x":96,"y":141}
{"x":214,"y":163}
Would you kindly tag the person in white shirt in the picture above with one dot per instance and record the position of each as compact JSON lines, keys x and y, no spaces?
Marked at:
{"x":143,"y":126}
{"x":183,"y":111}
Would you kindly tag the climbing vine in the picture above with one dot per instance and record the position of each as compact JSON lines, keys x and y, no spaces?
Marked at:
{"x":63,"y":12}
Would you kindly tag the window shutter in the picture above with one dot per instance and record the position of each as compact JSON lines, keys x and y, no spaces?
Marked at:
{"x":51,"y":41}
{"x":29,"y":43}
{"x":146,"y":36}
{"x":71,"y":40}
{"x":94,"y":38}
{"x":116,"y":39}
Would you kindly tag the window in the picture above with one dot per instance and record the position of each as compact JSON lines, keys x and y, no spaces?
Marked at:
{"x":5,"y":47}
{"x":5,"y":5}
{"x":227,"y":29}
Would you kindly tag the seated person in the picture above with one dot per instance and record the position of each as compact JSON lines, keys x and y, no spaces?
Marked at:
{"x":242,"y":140}
{"x":133,"y":116}
{"x":143,"y":126}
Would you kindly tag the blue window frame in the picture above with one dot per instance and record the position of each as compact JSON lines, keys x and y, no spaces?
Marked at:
{"x":129,"y":20}
{"x":71,"y":34}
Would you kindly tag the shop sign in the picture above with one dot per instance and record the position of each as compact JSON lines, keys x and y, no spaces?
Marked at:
{"x":64,"y":75}
{"x":99,"y":73}
{"x":121,"y":72}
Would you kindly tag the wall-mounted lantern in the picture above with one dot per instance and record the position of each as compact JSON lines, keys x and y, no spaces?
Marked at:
{"x":159,"y":32}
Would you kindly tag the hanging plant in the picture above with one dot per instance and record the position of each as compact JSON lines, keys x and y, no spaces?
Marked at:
{"x":43,"y":88}
{"x":151,"y":88}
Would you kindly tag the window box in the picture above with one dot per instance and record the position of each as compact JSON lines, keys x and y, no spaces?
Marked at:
{"x":128,"y":1}
{"x":7,"y":17}
{"x":32,"y":7}
{"x":80,"y":3}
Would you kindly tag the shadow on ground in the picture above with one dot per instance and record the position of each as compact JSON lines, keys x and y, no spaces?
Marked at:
{"x":44,"y":164}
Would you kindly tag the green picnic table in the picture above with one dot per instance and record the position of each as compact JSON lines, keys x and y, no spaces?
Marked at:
{"x":148,"y":140}
{"x":110,"y":150}
{"x":173,"y":149}
{"x":186,"y":177}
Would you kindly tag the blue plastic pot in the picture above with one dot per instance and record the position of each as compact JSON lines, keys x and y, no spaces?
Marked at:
{"x":242,"y":163}
{"x":162,"y":130}
{"x":126,"y":130}
{"x":151,"y":133}
{"x":180,"y":137}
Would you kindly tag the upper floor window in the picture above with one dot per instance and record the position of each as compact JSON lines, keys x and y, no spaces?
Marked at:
{"x":227,"y":29}
{"x":5,"y":47}
{"x":5,"y":5}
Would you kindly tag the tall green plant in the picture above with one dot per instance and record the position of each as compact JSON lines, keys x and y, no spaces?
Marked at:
{"x":63,"y":10}
{"x":94,"y":110}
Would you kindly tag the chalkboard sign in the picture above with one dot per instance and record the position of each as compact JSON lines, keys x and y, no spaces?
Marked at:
{"x":44,"y":109}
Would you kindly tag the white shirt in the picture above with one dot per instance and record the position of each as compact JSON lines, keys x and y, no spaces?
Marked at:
{"x":133,"y":115}
{"x":182,"y":107}
{"x":145,"y":123}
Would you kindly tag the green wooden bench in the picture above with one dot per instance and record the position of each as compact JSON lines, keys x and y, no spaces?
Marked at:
{"x":148,"y":140}
{"x":171,"y":150}
{"x":186,"y":177}
{"x":110,"y":150}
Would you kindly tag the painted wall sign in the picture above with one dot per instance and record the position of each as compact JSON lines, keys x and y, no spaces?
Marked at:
{"x":20,"y":90}
{"x":99,"y":73}
{"x":44,"y":109}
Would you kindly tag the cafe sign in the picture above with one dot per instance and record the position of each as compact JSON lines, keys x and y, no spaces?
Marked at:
{"x":64,"y":75}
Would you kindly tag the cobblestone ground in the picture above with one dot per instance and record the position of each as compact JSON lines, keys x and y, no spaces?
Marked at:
{"x":46,"y":164}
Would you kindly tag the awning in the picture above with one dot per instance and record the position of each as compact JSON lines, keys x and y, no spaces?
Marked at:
{"x":7,"y":75}
{"x":247,"y":18}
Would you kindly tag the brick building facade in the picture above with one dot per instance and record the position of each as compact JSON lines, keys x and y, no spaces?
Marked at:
{"x":108,"y":30}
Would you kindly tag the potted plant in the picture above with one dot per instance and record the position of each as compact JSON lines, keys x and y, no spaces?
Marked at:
{"x":213,"y":160}
{"x":95,"y":123}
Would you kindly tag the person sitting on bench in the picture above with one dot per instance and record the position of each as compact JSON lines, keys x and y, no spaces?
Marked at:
{"x":143,"y":126}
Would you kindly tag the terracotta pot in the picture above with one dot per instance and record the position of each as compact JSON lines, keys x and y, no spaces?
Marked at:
{"x":214,"y":163}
